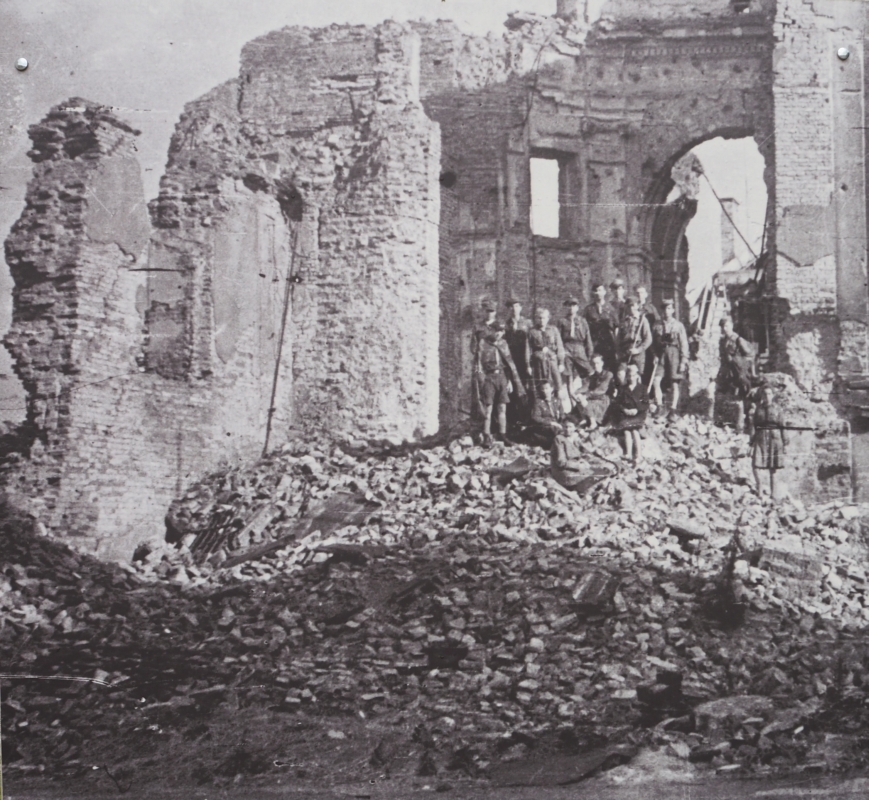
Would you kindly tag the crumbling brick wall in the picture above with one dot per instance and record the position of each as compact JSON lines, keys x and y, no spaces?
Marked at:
{"x":381,"y":175}
{"x":290,"y":207}
{"x":617,"y":106}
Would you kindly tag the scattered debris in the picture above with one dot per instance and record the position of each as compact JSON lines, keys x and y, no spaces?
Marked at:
{"x":419,"y":588}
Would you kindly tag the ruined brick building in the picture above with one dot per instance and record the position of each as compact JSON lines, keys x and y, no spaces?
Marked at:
{"x":330,"y":220}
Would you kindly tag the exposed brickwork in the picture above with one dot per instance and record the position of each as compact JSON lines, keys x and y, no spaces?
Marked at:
{"x":149,"y":356}
{"x":386,"y":171}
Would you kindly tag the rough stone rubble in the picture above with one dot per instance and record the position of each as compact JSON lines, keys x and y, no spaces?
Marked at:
{"x":470,"y":627}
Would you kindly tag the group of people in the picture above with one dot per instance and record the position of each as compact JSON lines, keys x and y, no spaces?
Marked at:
{"x":609,"y":364}
{"x":597,"y":365}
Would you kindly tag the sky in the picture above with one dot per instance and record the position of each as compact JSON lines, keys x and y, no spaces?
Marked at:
{"x":147,"y":58}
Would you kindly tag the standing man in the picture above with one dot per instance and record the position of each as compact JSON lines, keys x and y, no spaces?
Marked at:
{"x":736,"y":369}
{"x":672,"y":352}
{"x":516,"y":336}
{"x":635,"y":336}
{"x":495,"y":372}
{"x":578,"y":346}
{"x":648,"y":310}
{"x":546,"y":353}
{"x":603,"y":323}
{"x":618,"y":289}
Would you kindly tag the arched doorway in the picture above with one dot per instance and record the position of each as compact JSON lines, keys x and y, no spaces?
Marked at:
{"x":705,"y":215}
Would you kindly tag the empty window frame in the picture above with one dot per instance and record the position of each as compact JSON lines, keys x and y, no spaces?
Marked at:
{"x":546,"y":194}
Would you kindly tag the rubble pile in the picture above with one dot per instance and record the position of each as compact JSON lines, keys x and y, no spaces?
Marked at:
{"x":480,"y":608}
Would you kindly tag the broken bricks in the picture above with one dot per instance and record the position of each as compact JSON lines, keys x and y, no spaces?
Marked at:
{"x":540,"y":610}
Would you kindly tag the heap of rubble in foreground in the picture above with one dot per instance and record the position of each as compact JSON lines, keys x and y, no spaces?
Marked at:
{"x":475,"y":624}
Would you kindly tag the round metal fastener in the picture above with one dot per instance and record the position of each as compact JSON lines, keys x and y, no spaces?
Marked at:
{"x":844,"y":53}
{"x":21,"y":64}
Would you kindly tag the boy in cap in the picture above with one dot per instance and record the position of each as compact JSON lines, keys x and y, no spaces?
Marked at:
{"x":489,"y":318}
{"x":495,"y":371}
{"x":578,"y":346}
{"x":672,"y":353}
{"x":603,"y":323}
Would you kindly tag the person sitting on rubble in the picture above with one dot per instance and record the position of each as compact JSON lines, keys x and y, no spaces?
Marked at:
{"x":629,"y":409}
{"x":736,"y":370}
{"x":768,"y":440}
{"x":545,"y":419}
{"x":595,"y":400}
{"x":567,"y":457}
{"x":493,"y":358}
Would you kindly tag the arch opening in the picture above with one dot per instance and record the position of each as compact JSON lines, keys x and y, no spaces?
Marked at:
{"x":708,"y":223}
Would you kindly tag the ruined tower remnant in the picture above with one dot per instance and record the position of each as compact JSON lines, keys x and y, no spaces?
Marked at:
{"x":149,"y":346}
{"x":354,"y":195}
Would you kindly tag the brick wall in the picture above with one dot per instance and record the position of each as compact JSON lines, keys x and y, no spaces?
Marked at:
{"x":149,"y":348}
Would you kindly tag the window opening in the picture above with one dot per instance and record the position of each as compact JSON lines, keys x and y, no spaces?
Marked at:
{"x":545,"y":197}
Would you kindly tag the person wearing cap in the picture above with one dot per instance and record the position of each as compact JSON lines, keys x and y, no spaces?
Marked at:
{"x":618,"y":289}
{"x":490,"y":316}
{"x":671,"y":351}
{"x":578,"y":346}
{"x":516,"y":336}
{"x":634,"y":337}
{"x":545,"y":353}
{"x":768,"y":439}
{"x":495,"y":372}
{"x":647,"y":308}
{"x":603,"y":324}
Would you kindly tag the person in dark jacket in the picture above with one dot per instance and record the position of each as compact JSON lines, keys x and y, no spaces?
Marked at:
{"x":496,"y":376}
{"x":736,"y":370}
{"x":596,"y":398}
{"x":653,"y":317}
{"x":603,"y":323}
{"x":545,"y":419}
{"x":516,"y":335}
{"x":629,"y":409}
{"x":617,"y":287}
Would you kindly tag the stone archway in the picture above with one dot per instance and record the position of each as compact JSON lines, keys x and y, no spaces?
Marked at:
{"x":664,"y":224}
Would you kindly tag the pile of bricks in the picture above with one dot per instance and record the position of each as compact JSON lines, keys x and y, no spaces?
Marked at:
{"x":481,"y":614}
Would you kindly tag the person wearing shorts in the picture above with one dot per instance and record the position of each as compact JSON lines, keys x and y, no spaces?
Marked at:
{"x":495,"y":372}
{"x":672,"y":351}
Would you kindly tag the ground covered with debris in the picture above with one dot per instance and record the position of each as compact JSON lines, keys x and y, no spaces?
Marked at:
{"x":476,"y":623}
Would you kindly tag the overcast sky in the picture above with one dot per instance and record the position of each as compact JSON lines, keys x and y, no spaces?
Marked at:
{"x":148,"y":58}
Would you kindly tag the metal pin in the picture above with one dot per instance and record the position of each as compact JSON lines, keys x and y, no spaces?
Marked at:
{"x":844,"y":53}
{"x":21,"y":64}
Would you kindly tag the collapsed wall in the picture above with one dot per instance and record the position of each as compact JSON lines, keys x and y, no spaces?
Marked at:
{"x":286,"y":281}
{"x":330,"y":221}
